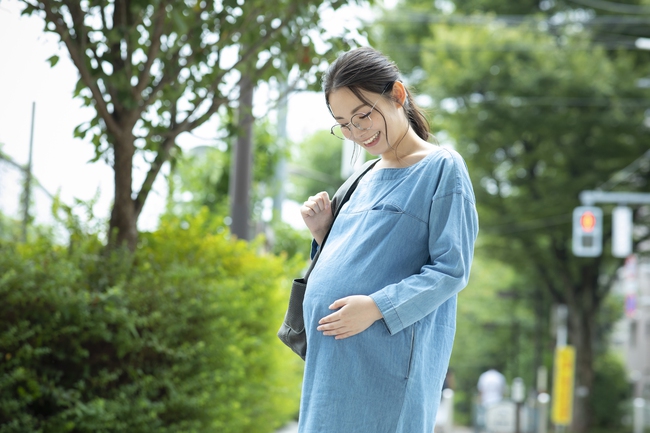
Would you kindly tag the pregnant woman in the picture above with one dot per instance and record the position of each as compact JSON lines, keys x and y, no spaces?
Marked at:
{"x":380,"y":304}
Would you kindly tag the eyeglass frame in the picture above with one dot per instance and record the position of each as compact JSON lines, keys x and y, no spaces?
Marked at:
{"x":347,"y":125}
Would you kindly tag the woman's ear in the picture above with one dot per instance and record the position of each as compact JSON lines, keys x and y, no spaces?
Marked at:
{"x":399,"y":93}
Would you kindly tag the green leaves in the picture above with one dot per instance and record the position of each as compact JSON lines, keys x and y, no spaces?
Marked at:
{"x":29,"y":9}
{"x":179,"y":337}
{"x":53,"y":60}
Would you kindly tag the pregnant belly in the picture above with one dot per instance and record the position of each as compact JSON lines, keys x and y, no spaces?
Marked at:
{"x":374,"y":348}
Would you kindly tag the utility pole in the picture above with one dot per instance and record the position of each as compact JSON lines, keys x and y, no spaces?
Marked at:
{"x":281,"y":166}
{"x":28,"y":179}
{"x":241,"y":172}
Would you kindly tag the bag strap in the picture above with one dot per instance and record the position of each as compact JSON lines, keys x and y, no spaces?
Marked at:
{"x":340,"y":198}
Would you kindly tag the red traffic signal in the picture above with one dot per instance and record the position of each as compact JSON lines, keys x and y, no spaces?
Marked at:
{"x":587,"y":221}
{"x":587,"y":231}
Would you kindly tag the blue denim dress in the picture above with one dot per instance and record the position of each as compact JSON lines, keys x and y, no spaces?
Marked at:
{"x":405,"y":238}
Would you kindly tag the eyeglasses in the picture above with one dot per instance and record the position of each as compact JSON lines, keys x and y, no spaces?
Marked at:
{"x":361,"y":121}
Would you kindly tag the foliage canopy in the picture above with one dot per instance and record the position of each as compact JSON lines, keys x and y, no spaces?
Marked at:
{"x":155,"y":69}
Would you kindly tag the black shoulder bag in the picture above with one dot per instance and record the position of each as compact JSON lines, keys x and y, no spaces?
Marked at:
{"x":292,"y":330}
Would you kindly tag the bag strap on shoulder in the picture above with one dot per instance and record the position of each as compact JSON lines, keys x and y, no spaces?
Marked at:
{"x":341,"y":196}
{"x":344,"y":192}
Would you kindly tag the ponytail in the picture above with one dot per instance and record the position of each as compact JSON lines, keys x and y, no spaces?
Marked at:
{"x":416,"y":117}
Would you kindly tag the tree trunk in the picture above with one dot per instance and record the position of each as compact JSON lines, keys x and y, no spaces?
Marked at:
{"x":241,"y":166}
{"x":123,"y":230}
{"x":582,"y":327}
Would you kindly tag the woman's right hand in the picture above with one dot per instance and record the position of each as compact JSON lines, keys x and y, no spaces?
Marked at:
{"x":317,"y":214}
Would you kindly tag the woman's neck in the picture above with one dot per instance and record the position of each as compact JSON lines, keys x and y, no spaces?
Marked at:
{"x":408,"y":151}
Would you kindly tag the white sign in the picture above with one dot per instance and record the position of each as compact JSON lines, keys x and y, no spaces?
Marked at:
{"x":621,"y":231}
{"x":501,"y":418}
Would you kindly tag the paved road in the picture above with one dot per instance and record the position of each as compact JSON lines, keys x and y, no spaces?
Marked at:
{"x":293,"y":428}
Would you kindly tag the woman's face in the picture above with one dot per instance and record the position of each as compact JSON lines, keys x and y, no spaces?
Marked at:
{"x":387,"y":125}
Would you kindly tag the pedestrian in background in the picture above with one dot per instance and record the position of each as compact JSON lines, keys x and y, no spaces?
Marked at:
{"x":491,"y":388}
{"x":380,"y":304}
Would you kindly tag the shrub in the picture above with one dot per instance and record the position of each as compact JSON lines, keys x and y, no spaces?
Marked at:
{"x":291,"y":241}
{"x":178,"y":337}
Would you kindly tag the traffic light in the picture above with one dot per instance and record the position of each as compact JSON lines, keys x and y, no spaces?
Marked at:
{"x":587,"y":231}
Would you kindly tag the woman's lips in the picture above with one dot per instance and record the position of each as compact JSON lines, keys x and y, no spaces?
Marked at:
{"x":373,"y":140}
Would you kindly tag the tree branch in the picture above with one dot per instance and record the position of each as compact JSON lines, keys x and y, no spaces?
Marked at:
{"x":167,"y":78}
{"x":152,"y":54}
{"x":187,"y":125}
{"x":128,"y":36}
{"x":78,"y":60}
{"x":252,"y":49}
{"x":249,"y":16}
{"x":114,"y":53}
{"x":163,"y":153}
{"x":161,"y":157}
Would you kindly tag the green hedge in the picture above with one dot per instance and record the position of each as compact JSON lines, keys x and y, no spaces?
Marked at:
{"x":179,"y":337}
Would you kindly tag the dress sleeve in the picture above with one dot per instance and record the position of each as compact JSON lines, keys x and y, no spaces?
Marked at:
{"x":453,"y":227}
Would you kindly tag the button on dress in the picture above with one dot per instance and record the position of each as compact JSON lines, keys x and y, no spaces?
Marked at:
{"x":405,"y":238}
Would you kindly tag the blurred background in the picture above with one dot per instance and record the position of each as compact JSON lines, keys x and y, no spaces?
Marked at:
{"x":153,"y":155}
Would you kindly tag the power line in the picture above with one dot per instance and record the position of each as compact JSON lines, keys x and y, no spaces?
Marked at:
{"x":555,"y":101}
{"x":434,"y":18}
{"x":614,"y":7}
{"x":568,"y":101}
{"x":611,"y":45}
{"x":615,"y":41}
{"x":624,"y":174}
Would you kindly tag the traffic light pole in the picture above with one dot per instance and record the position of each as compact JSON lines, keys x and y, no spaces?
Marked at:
{"x":590,"y":198}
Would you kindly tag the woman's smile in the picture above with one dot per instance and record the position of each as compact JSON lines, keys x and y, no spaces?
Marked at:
{"x":371,"y":141}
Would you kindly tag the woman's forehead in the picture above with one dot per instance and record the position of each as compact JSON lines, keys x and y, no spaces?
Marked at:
{"x":345,"y":102}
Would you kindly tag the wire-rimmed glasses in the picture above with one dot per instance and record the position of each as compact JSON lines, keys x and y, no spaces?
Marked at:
{"x":360,"y":121}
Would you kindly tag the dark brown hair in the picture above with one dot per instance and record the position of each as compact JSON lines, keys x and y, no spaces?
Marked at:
{"x":367,"y":69}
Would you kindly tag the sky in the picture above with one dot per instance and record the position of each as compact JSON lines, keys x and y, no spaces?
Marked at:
{"x":61,"y":162}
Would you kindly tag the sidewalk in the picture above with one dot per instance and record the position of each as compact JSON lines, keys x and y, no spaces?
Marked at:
{"x":462,"y":429}
{"x":293,"y":428}
{"x":456,"y":429}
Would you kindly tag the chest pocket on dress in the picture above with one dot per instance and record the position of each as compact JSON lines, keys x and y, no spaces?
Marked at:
{"x":387,"y":207}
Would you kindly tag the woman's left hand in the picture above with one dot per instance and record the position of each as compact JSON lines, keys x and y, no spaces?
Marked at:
{"x":355,"y":314}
